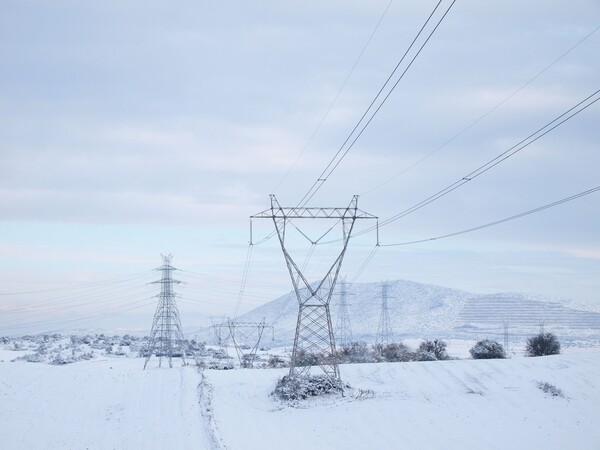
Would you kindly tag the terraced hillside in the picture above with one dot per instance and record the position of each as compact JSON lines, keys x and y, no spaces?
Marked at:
{"x":521,"y":311}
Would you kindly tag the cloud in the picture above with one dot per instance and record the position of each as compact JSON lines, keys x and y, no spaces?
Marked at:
{"x":142,"y":119}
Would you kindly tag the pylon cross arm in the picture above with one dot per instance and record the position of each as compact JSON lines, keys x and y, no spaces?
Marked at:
{"x":313,"y":213}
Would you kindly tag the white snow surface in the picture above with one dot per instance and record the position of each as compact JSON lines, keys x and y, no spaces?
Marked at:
{"x":99,"y":404}
{"x":460,"y":404}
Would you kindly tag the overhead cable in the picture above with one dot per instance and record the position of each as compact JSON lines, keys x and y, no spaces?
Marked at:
{"x":363,"y":122}
{"x":498,"y":222}
{"x":336,"y":96}
{"x":476,"y":121}
{"x":564,"y":117}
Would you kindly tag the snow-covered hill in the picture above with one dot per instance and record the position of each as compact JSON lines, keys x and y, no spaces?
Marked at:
{"x":425,"y":310}
{"x":492,"y":404}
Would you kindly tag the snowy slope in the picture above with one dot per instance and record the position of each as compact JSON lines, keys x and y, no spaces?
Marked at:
{"x":113,"y":404}
{"x":102,"y":404}
{"x":425,"y":311}
{"x":428,"y":405}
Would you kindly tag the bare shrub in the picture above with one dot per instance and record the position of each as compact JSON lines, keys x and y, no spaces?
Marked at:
{"x":276,"y":361}
{"x":355,"y":353}
{"x":432,"y":351}
{"x":487,"y":349}
{"x":550,"y":389}
{"x":396,"y":352}
{"x":542,"y":344}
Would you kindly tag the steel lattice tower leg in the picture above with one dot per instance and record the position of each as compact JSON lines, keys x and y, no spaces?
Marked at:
{"x":342,"y":325}
{"x":314,"y":330}
{"x":166,"y":335}
{"x":384,"y":331}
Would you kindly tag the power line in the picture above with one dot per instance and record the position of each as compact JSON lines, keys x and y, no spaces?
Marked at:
{"x":475,"y":122}
{"x":498,"y":222}
{"x":365,"y":263}
{"x":335,"y":161}
{"x":80,"y":285}
{"x":336,"y":96}
{"x":66,"y":301}
{"x":42,"y":326}
{"x":570,"y":113}
{"x":339,"y":156}
{"x":244,"y":278}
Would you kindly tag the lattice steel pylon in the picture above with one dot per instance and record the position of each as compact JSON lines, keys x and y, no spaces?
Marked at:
{"x":384,"y":330}
{"x":166,"y":335}
{"x":506,"y":349}
{"x":246,"y":338}
{"x":343,"y":330}
{"x":314,"y":331}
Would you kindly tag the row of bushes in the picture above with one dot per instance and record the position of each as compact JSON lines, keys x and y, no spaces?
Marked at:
{"x":361,"y":352}
{"x":428,"y":350}
{"x":542,"y":344}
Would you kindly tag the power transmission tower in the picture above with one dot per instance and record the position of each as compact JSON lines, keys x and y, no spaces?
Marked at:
{"x":343,"y":330}
{"x":314,"y":331}
{"x":384,"y":331}
{"x":506,"y":349}
{"x":247,"y":336}
{"x":221,"y":333}
{"x":166,"y":335}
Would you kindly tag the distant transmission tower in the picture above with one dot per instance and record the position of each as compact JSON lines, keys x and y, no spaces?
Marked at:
{"x":384,"y":331}
{"x":246,"y":338}
{"x":343,"y":331}
{"x":314,"y":331}
{"x":506,"y":349}
{"x":166,"y":336}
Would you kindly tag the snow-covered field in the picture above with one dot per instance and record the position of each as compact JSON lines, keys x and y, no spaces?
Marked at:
{"x":462,"y":404}
{"x":99,"y":404}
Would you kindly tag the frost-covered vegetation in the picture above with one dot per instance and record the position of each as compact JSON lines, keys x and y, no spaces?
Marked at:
{"x":550,"y":389}
{"x":487,"y":349}
{"x":303,"y":387}
{"x":360,"y":352}
{"x":61,"y":349}
{"x":542,"y":344}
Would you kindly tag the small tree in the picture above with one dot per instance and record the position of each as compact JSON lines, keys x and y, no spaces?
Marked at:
{"x":542,"y":344}
{"x":395,"y":351}
{"x":432,"y":351}
{"x":487,"y":349}
{"x":276,"y":361}
{"x":355,"y":352}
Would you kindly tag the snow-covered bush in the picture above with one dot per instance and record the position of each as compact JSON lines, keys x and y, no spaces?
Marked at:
{"x":303,"y":387}
{"x":276,"y":361}
{"x":487,"y":349}
{"x":550,"y":389}
{"x":32,"y":357}
{"x":194,"y":348}
{"x":305,"y":358}
{"x":542,"y":344}
{"x":219,"y":365}
{"x":432,"y":351}
{"x":355,"y":353}
{"x":396,"y":352}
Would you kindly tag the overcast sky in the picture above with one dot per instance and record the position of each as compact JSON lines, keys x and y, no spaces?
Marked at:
{"x":131,"y":129}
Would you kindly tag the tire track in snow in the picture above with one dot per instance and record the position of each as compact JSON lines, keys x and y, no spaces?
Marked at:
{"x":207,"y":412}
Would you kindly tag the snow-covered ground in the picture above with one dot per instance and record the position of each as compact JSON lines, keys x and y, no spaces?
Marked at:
{"x":112,"y":403}
{"x":99,"y":404}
